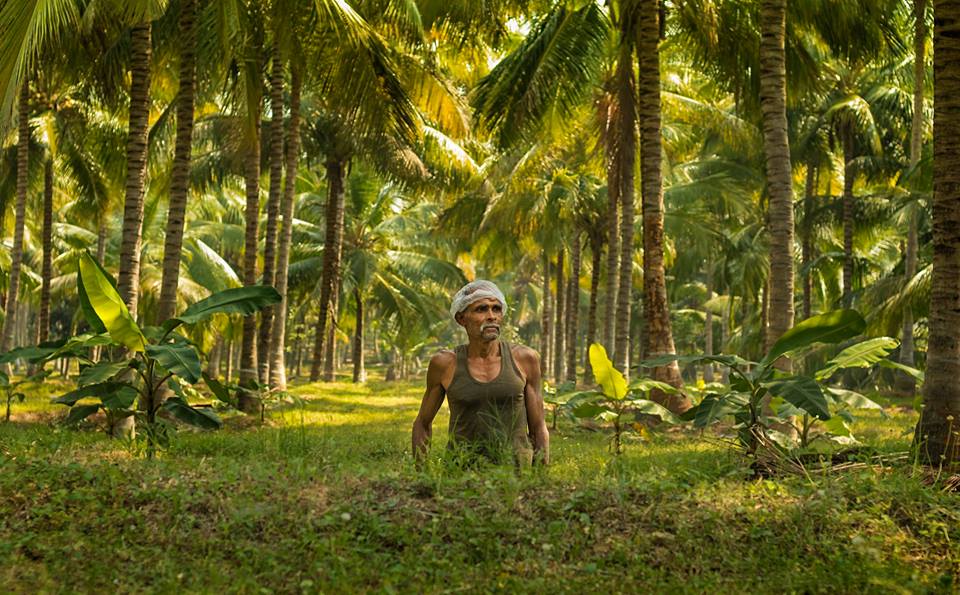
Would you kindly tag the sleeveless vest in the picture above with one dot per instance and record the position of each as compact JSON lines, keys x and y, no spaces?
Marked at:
{"x":489,"y":418}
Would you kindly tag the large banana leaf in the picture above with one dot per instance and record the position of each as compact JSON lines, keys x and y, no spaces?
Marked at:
{"x":240,"y":300}
{"x":86,"y":308}
{"x":101,"y":390}
{"x":610,"y":379}
{"x":180,"y":359}
{"x":108,"y":306}
{"x":80,"y":413}
{"x":101,"y":372}
{"x":802,"y":391}
{"x":714,"y":407}
{"x":853,"y":399}
{"x":648,"y":407}
{"x":861,"y":355}
{"x":829,"y":327}
{"x":201,"y":418}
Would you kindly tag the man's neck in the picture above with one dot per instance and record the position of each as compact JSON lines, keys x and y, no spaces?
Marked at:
{"x":478,"y":348}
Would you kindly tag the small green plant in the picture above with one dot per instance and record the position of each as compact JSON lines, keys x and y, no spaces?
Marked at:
{"x":152,"y":358}
{"x":12,"y":389}
{"x":761,"y":398}
{"x":557,"y":397}
{"x":616,"y":401}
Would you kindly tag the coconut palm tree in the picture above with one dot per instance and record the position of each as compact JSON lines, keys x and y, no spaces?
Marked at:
{"x":937,"y":435}
{"x":905,"y":383}
{"x":23,"y":159}
{"x":773,"y":106}
{"x":179,"y":178}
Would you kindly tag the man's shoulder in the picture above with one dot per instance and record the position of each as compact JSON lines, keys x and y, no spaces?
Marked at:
{"x":443,"y":359}
{"x":524,"y":354}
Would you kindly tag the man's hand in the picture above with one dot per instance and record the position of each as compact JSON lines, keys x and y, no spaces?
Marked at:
{"x":432,"y":399}
{"x":529,"y":363}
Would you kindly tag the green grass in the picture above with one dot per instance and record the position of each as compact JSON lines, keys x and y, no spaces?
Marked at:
{"x":324,"y":498}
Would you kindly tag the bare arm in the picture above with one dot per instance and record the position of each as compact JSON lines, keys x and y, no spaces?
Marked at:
{"x":529,"y":361}
{"x":432,"y":399}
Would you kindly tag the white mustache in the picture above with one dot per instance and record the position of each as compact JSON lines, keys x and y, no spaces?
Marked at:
{"x":493,"y":326}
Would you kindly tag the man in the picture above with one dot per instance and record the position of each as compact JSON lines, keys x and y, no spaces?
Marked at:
{"x":493,"y":387}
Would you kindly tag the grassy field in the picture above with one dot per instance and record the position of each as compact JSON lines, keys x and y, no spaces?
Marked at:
{"x":324,"y":498}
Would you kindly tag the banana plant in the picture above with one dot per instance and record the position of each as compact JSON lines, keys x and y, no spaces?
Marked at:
{"x":152,"y":357}
{"x":760,"y":396}
{"x":616,"y":401}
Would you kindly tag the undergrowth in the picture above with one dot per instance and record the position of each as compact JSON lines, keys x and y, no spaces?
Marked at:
{"x":324,"y":498}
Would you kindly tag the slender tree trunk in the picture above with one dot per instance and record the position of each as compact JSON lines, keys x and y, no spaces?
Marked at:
{"x":330,"y":283}
{"x":180,"y":176}
{"x":213,"y":358}
{"x":938,"y":432}
{"x":273,"y":209}
{"x":807,"y":254}
{"x":101,"y":239}
{"x":299,"y":357}
{"x":573,"y":309}
{"x":278,"y":377}
{"x":359,"y":371}
{"x":905,"y":383}
{"x":559,"y":328}
{"x":724,"y":334}
{"x":848,"y":178}
{"x":331,"y":360}
{"x":228,"y":373}
{"x":597,"y":254}
{"x":613,"y":247}
{"x":773,"y":104}
{"x":659,"y":334}
{"x":249,"y":401}
{"x":545,"y":318}
{"x":16,"y":254}
{"x":46,"y":270}
{"x":626,"y":156}
{"x":128,"y":279}
{"x":708,"y":327}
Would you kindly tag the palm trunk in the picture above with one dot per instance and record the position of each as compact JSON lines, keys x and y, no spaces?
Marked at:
{"x":228,"y":372}
{"x":905,"y":383}
{"x":613,"y":248}
{"x":359,"y":371}
{"x":336,"y":172}
{"x":331,"y":361}
{"x":626,"y":156}
{"x":278,"y":376}
{"x":807,"y":254}
{"x":596,"y":249}
{"x":213,"y":358}
{"x":773,"y":104}
{"x":848,"y":176}
{"x":573,"y":310}
{"x":659,"y":334}
{"x":559,"y":328}
{"x":46,"y":269}
{"x":16,"y":254}
{"x":708,"y":327}
{"x":545,"y":318}
{"x":101,"y":239}
{"x":938,"y":432}
{"x":248,"y":400}
{"x":180,"y":176}
{"x":128,"y":279}
{"x":273,"y":209}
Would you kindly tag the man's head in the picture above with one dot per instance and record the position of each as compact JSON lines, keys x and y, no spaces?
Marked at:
{"x":479,"y":307}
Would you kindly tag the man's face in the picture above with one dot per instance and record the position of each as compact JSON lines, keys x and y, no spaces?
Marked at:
{"x":482,"y":319}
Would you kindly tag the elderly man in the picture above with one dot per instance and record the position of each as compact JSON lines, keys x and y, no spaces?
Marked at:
{"x":493,"y":387}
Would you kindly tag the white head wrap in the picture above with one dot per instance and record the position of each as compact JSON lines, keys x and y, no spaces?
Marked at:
{"x":474,"y":291}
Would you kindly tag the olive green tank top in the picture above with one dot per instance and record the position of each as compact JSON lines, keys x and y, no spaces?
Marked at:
{"x":489,"y":418}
